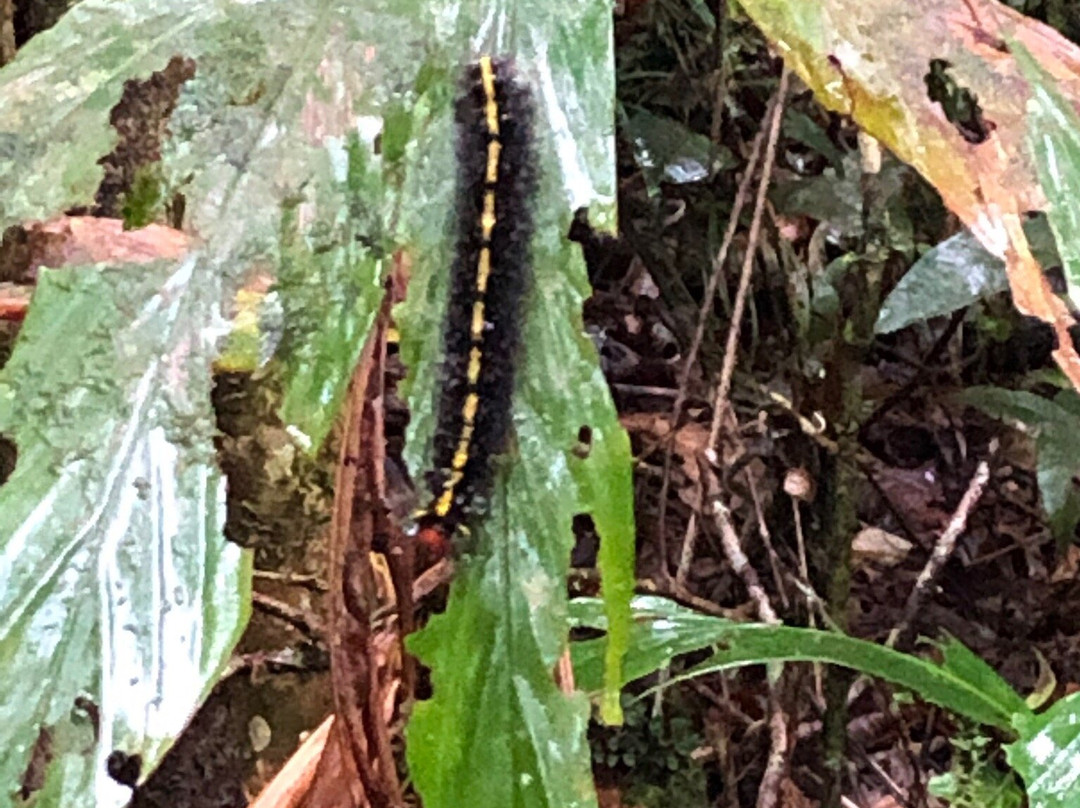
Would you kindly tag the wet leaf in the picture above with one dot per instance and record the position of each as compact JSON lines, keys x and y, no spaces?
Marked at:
{"x":1055,"y":141}
{"x":119,"y":597}
{"x":952,"y":275}
{"x":1047,"y":755}
{"x":275,"y":146}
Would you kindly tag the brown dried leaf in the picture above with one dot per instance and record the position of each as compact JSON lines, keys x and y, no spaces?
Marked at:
{"x":14,"y":301}
{"x":76,"y":240}
{"x":872,"y":544}
{"x":887,"y":801}
{"x":1068,"y":568}
{"x":791,"y":796}
{"x":293,"y":781}
{"x":917,"y":494}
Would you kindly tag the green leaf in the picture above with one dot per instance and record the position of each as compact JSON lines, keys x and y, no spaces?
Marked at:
{"x":974,"y":779}
{"x":493,"y":651}
{"x":261,"y":133}
{"x":116,"y":584}
{"x":949,"y":276}
{"x":273,"y":145}
{"x":1032,"y":412}
{"x":954,"y":274}
{"x":662,"y":630}
{"x":667,"y":151}
{"x":1047,"y":754}
{"x":800,"y":127}
{"x":1054,"y":139}
{"x":965,"y":665}
{"x":1054,"y":425}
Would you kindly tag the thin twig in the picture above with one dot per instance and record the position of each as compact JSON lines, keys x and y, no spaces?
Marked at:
{"x":779,"y":745}
{"x":681,"y":595}
{"x":303,"y":621}
{"x":775,"y":107}
{"x":769,"y":793}
{"x":944,"y":547}
{"x":687,"y":553}
{"x":699,"y":333}
{"x":766,"y":539}
{"x":729,"y":539}
{"x":685,"y":557}
{"x":432,"y":578}
{"x":804,"y":573}
{"x":724,"y":386}
{"x":920,"y":374}
{"x":773,"y":778}
{"x":727,"y":369}
{"x":312,"y":582}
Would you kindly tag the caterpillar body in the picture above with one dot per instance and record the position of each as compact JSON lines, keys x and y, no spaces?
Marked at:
{"x":489,"y":276}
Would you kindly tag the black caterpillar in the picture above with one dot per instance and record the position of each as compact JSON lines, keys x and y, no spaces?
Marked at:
{"x":489,"y":277}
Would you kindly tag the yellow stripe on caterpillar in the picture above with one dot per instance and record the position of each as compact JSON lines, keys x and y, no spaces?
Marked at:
{"x":442,"y":506}
{"x":491,"y":107}
{"x":461,"y":456}
{"x":483,"y":270}
{"x":475,"y":358}
{"x":492,"y":174}
{"x":472,"y":401}
{"x":446,"y":499}
{"x":487,"y":218}
{"x":477,"y":330}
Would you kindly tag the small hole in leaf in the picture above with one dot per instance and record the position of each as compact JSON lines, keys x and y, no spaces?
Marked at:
{"x":124,"y":768}
{"x":584,"y":442}
{"x":586,"y":542}
{"x":9,"y":456}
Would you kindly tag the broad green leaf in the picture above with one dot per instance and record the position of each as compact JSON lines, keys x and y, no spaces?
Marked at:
{"x":120,"y":600}
{"x":269,"y":145}
{"x":330,"y":293}
{"x":1054,"y":136}
{"x":1054,"y":426}
{"x":662,"y":630}
{"x":493,"y":651}
{"x":1047,"y":754}
{"x":273,"y":144}
{"x":954,"y":274}
{"x":668,"y":152}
